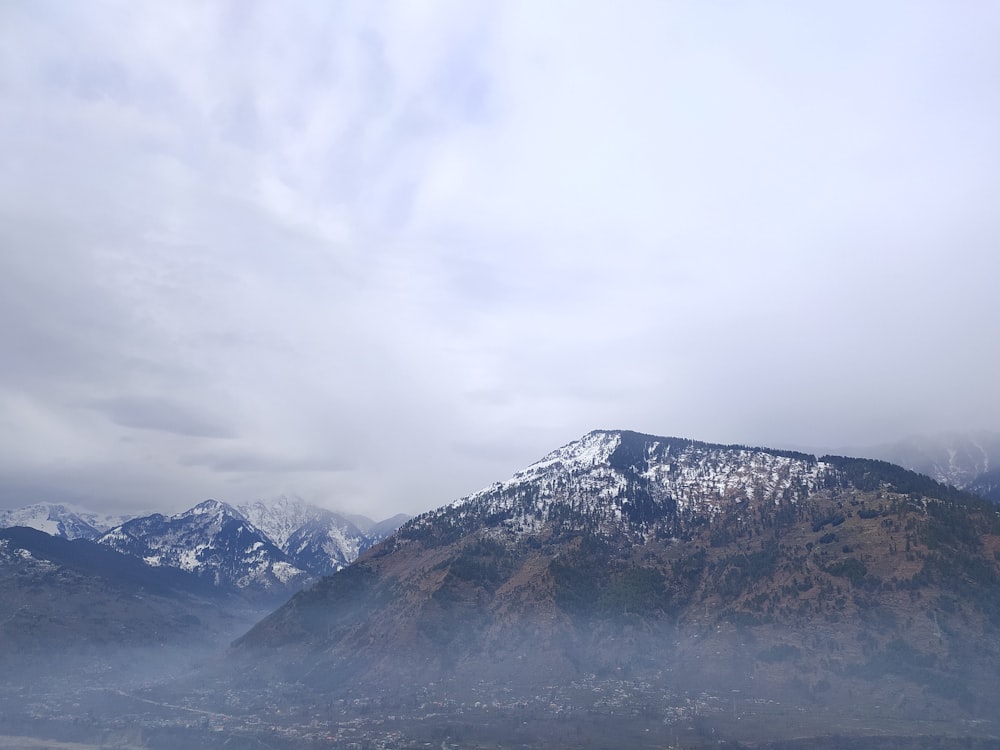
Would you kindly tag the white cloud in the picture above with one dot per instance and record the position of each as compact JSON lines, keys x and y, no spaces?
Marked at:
{"x":428,"y":243}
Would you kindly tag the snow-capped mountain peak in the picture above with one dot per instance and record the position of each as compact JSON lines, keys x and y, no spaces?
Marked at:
{"x":625,"y":481}
{"x":209,"y":507}
{"x":581,"y":455}
{"x":280,"y":517}
{"x":60,"y":520}
{"x":314,"y":538}
{"x":211,"y":539}
{"x":271,"y":546}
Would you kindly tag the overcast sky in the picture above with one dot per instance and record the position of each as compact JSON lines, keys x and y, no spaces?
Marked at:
{"x":381,"y":255}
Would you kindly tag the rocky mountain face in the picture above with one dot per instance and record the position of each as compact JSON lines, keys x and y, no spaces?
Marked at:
{"x":269,"y":548}
{"x":212,"y":540}
{"x":668,"y":563}
{"x":315,"y":540}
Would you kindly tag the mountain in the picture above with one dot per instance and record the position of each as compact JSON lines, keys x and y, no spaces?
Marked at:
{"x":376,"y":532}
{"x":986,"y":485}
{"x":62,"y":521}
{"x":214,"y":541}
{"x":268,"y":548}
{"x":967,"y":460}
{"x":282,"y":516}
{"x":663,"y":568}
{"x":55,"y":590}
{"x":314,"y":539}
{"x":72,"y":611}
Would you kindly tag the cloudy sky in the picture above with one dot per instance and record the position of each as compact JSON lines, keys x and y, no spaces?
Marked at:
{"x":383,"y":254}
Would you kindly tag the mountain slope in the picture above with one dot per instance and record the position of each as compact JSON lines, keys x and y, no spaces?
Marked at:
{"x":314,"y":539}
{"x":679,"y":564}
{"x":77,"y":616}
{"x":57,"y":592}
{"x":212,"y":540}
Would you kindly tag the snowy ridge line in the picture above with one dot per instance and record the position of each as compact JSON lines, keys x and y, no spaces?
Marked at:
{"x":624,"y":481}
{"x":271,"y":546}
{"x":61,"y":520}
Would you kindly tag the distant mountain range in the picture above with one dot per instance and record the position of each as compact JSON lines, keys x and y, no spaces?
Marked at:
{"x":80,"y":591}
{"x":265,"y":548}
{"x":967,"y":460}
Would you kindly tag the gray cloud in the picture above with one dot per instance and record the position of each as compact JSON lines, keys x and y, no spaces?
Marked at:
{"x":392,"y":254}
{"x":252,"y":462}
{"x":160,"y":414}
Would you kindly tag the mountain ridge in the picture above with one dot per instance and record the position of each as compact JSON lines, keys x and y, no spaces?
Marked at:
{"x":268,"y":547}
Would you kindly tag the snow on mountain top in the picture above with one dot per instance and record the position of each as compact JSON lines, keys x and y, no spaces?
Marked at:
{"x":262,"y":545}
{"x":280,"y":517}
{"x":593,"y":448}
{"x":61,"y":520}
{"x":622,"y":479}
{"x":207,"y":506}
{"x":318,"y":539}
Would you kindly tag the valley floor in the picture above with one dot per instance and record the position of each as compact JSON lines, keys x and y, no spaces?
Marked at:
{"x":8,"y":742}
{"x":592,"y":716}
